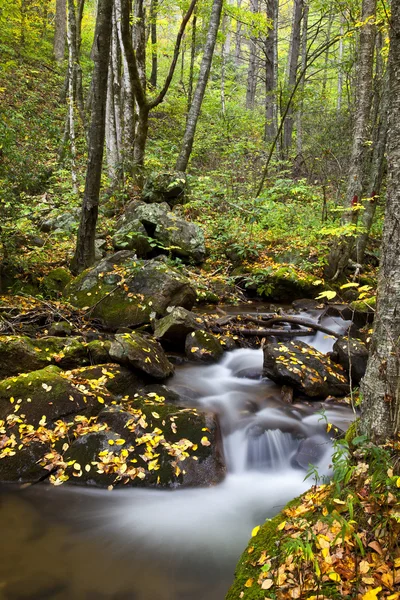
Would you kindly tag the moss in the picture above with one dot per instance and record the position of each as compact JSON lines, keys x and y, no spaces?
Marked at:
{"x":364,"y":306}
{"x":352,"y":432}
{"x":56,"y":281}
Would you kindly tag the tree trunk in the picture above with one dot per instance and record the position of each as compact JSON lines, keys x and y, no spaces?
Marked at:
{"x":85,"y":249}
{"x":270,"y":74}
{"x":340,"y":71}
{"x":294,"y":53}
{"x":192,"y":60}
{"x":72,"y":61}
{"x":342,"y":250}
{"x":380,"y":416}
{"x":205,"y":67}
{"x":299,"y":114}
{"x":139,"y":40}
{"x":60,"y":30}
{"x":154,"y":53}
{"x":238,"y":41}
{"x":376,"y":174}
{"x":253,"y":64}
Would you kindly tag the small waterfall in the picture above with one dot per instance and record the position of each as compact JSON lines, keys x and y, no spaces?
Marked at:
{"x":272,"y":449}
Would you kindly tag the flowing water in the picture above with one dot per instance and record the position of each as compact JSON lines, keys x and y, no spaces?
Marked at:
{"x":73,"y":543}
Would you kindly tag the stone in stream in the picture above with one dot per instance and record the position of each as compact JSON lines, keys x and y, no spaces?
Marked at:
{"x":202,"y":346}
{"x":305,"y":369}
{"x":352,"y":354}
{"x":311,"y":450}
{"x":21,"y":354}
{"x":173,"y":329}
{"x":125,"y":292}
{"x":141,"y":353}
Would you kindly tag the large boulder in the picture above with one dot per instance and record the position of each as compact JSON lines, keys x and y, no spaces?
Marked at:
{"x":165,"y":187}
{"x":305,"y":369}
{"x":352,"y":354}
{"x":21,"y":354}
{"x":181,"y":238}
{"x":67,"y":222}
{"x":141,"y":353}
{"x":173,"y":329}
{"x":120,"y":381}
{"x":125,"y":292}
{"x":202,"y":346}
{"x":132,"y":236}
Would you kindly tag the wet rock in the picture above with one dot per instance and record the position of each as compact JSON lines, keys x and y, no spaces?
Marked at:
{"x":249,"y":374}
{"x":148,"y":444}
{"x":202,"y":346}
{"x":180,"y":237}
{"x":141,"y":353}
{"x":357,"y":312}
{"x":305,"y":369}
{"x":132,"y":236}
{"x":22,"y":466}
{"x":118,"y":380}
{"x":61,"y":329}
{"x":352,"y":354}
{"x":21,"y":354}
{"x":310,"y":451}
{"x":306,"y":304}
{"x":100,"y":246}
{"x":162,"y":393}
{"x":287,"y":394}
{"x":45,"y":396}
{"x":165,"y":187}
{"x":173,"y":329}
{"x":228,"y":343}
{"x":125,"y":292}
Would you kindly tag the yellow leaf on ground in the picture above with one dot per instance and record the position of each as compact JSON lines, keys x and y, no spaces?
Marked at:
{"x":249,"y":583}
{"x":334,"y":576}
{"x":372,"y":594}
{"x":281,"y":526}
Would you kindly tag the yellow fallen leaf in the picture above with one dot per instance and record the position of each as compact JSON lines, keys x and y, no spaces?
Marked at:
{"x":372,"y":594}
{"x":120,"y":442}
{"x":77,"y":467}
{"x":281,"y":526}
{"x":334,"y":576}
{"x":205,"y":442}
{"x":255,"y":531}
{"x":194,"y":349}
{"x":100,"y":399}
{"x":398,"y":482}
{"x":249,"y":583}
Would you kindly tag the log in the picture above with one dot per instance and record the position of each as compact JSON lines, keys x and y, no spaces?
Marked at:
{"x":304,"y":322}
{"x":277,"y":332}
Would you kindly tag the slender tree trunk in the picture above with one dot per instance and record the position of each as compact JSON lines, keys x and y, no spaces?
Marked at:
{"x":85,"y":249}
{"x":299,"y":114}
{"x":113,"y":109}
{"x":139,"y":40}
{"x":238,"y":42}
{"x":60,"y":30}
{"x":192,"y":60}
{"x":223,"y":64}
{"x":253,"y":64}
{"x":294,"y":53}
{"x":326,"y":59}
{"x":198,"y":96}
{"x":72,"y":60}
{"x":380,"y":416}
{"x":340,"y":71}
{"x":341,"y":252}
{"x":270,"y":74}
{"x":154,"y":53}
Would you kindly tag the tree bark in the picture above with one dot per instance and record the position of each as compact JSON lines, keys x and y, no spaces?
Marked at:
{"x":342,"y":250}
{"x":85,"y":249}
{"x":192,"y":60}
{"x":299,"y":114}
{"x":253,"y":64}
{"x":238,"y":41}
{"x":270,"y":73}
{"x":154,"y":52}
{"x":194,"y":112}
{"x":60,"y":30}
{"x":380,"y":416}
{"x":294,"y":53}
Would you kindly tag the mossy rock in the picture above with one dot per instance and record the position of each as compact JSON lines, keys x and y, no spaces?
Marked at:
{"x":364,"y":306}
{"x":165,"y":187}
{"x":132,"y":236}
{"x":21,"y":354}
{"x":126,"y":292}
{"x":173,"y":329}
{"x":118,"y":380}
{"x":202,"y":346}
{"x":56,"y":281}
{"x":23,"y":465}
{"x":141,"y":353}
{"x":45,"y":394}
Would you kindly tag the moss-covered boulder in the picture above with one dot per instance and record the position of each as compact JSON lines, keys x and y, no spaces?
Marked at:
{"x":165,"y":187}
{"x":352,"y":354}
{"x":132,"y":236}
{"x":56,"y":281}
{"x":118,"y":380}
{"x":202,"y":346}
{"x":146,"y":443}
{"x":21,"y":354}
{"x":45,"y":396}
{"x":141,"y":353}
{"x":180,"y":237}
{"x":125,"y":292}
{"x":278,"y":282}
{"x":173,"y":329}
{"x":305,"y":369}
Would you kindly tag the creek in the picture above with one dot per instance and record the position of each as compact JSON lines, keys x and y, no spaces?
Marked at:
{"x":72,"y":543}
